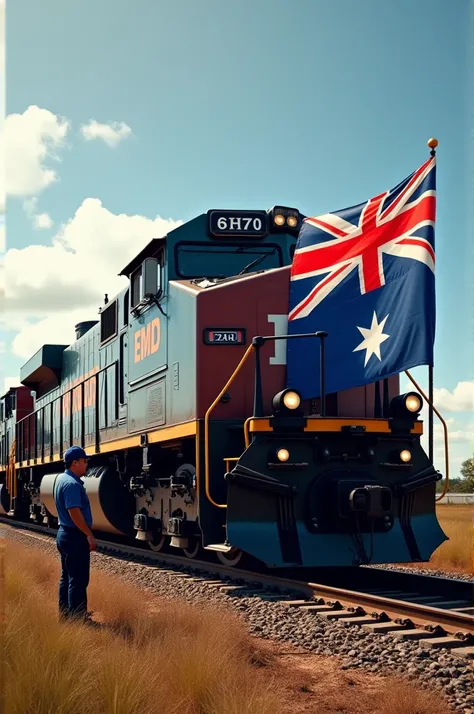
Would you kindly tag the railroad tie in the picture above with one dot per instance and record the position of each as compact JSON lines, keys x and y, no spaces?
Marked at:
{"x":447,"y":641}
{"x":360,"y":620}
{"x":385,"y":627}
{"x":415,"y":634}
{"x":464,"y":652}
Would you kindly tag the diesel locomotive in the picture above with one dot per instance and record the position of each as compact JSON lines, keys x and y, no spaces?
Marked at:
{"x":178,"y":392}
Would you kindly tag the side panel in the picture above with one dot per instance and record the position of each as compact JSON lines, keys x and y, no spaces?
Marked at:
{"x":246,"y":304}
{"x":259,"y":305}
{"x":147,"y":370}
{"x":181,"y":384}
{"x":148,"y":345}
{"x":162,"y":363}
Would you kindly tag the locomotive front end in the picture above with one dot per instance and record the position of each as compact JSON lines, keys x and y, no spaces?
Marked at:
{"x":327,"y":491}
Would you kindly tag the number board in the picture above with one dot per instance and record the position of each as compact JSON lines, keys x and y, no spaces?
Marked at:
{"x":237,"y":224}
{"x":224,"y":336}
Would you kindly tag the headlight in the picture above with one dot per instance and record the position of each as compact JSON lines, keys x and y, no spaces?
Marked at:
{"x":406,"y":406}
{"x":405,"y":456}
{"x":291,"y":400}
{"x":288,"y":400}
{"x":283,"y":454}
{"x":284,"y":219}
{"x":413,"y":403}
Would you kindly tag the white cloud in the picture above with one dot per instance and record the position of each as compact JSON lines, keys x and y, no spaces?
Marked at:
{"x":461,"y":435}
{"x":40,"y":220}
{"x":2,"y":234}
{"x":2,"y":56}
{"x":43,"y":220}
{"x":27,"y":141}
{"x":2,"y":68}
{"x":460,"y":440}
{"x":112,"y":133}
{"x":9,"y":382}
{"x":461,"y":399}
{"x":55,"y":329}
{"x":80,"y":265}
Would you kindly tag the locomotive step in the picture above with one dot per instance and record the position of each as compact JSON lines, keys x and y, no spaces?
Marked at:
{"x":220,"y":547}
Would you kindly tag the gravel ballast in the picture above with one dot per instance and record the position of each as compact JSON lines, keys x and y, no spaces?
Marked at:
{"x":356,"y":647}
{"x":466,"y":577}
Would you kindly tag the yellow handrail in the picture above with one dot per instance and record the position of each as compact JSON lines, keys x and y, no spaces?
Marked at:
{"x":445,"y":427}
{"x":10,"y":471}
{"x":247,"y":428}
{"x":206,"y":427}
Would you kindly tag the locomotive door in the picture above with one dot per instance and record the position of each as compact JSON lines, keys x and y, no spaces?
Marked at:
{"x":147,"y":361}
{"x":123,"y":361}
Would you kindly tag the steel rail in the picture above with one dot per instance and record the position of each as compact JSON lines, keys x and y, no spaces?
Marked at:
{"x":351,"y":604}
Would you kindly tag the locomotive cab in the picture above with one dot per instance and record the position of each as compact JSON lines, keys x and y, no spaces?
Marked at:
{"x":217,"y":245}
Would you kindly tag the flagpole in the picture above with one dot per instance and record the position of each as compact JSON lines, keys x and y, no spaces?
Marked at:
{"x":432,"y":144}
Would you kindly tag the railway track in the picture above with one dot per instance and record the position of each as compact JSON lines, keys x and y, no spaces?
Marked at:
{"x":436,"y":612}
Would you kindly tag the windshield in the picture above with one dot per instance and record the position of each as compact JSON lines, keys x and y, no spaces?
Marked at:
{"x":212,"y":260}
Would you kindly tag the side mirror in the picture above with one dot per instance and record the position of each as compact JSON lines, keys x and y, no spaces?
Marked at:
{"x":151,"y":276}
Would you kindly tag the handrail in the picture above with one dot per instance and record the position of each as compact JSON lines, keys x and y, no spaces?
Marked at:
{"x":10,"y":471}
{"x":247,"y":428}
{"x":445,"y":427}
{"x":206,"y":427}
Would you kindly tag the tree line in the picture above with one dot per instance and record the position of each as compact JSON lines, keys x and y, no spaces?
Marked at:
{"x":465,"y":484}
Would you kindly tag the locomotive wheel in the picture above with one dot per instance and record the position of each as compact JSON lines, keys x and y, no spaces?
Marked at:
{"x":158,"y":544}
{"x":232,"y":557}
{"x":194,"y":546}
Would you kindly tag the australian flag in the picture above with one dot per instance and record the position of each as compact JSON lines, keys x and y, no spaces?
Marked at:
{"x":365,"y":275}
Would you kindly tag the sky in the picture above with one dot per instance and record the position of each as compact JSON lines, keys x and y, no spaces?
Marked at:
{"x":124,"y":119}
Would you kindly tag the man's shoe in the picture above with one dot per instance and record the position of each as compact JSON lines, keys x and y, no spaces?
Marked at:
{"x":89,"y":621}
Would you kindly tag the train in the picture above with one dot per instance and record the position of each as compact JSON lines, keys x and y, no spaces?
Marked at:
{"x":178,"y":393}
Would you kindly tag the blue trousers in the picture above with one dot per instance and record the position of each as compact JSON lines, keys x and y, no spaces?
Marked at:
{"x":73,"y":547}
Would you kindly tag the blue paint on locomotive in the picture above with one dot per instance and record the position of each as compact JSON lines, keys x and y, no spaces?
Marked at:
{"x":335,"y":549}
{"x":428,"y":533}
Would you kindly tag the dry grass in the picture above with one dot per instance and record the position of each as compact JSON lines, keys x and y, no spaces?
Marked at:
{"x":407,"y":700}
{"x":155,"y":656}
{"x":457,"y":553}
{"x":174,"y":659}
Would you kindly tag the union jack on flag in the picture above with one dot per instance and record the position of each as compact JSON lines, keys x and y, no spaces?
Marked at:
{"x":365,"y":274}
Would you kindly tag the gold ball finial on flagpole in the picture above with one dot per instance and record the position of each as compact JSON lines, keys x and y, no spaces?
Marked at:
{"x":432,"y":143}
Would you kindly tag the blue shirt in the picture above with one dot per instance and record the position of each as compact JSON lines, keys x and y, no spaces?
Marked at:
{"x":70,"y":492}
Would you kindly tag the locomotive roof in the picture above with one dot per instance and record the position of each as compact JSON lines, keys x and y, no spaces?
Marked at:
{"x":149,"y":250}
{"x":198,"y":284}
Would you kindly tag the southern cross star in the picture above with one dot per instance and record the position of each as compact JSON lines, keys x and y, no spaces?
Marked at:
{"x":373,"y":338}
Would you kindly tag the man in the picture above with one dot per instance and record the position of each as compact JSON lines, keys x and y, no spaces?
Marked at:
{"x":75,"y":539}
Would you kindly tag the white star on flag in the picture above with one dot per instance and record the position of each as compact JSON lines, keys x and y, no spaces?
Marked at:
{"x":373,"y":338}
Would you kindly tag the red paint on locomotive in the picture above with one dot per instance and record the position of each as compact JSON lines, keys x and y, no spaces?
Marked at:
{"x":249,"y":303}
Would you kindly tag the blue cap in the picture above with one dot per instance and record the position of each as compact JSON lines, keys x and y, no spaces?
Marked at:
{"x":75,"y":452}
